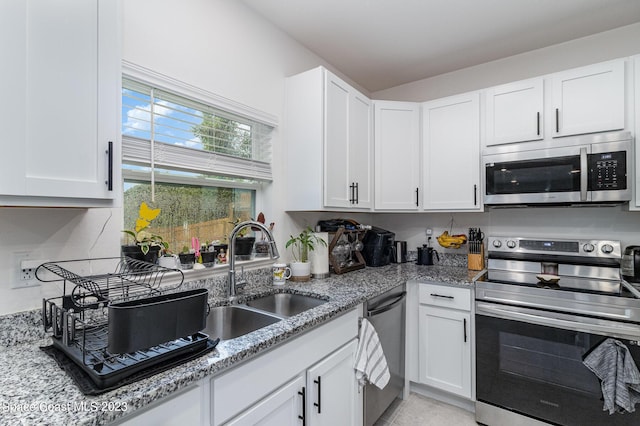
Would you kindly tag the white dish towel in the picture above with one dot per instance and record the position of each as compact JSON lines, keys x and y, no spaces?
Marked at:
{"x":371,"y":364}
{"x":614,"y":366}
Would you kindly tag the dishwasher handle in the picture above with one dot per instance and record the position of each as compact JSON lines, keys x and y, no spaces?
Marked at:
{"x":384,"y":306}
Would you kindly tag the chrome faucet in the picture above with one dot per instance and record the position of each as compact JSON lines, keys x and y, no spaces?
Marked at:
{"x":234,"y":285}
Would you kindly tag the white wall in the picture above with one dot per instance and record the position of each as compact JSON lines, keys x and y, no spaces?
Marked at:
{"x":617,"y":43}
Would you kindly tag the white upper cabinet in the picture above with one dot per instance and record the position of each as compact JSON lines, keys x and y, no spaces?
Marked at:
{"x":397,"y":155}
{"x":515,"y":112}
{"x":451,"y":147}
{"x":589,"y":99}
{"x":329,"y":146}
{"x":60,"y":115}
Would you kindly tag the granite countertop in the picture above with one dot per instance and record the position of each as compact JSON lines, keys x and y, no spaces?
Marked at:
{"x":33,"y":390}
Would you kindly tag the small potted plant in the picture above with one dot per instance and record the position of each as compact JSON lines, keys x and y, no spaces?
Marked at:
{"x":187,"y":258}
{"x":146,"y":246}
{"x":262,"y":246}
{"x":301,"y":245}
{"x":208,"y":255}
{"x":244,"y":243}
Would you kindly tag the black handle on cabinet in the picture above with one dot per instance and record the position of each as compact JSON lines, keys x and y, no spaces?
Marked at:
{"x":538,"y":123}
{"x":464,"y":326}
{"x":557,"y":120}
{"x":475,"y":195}
{"x":109,"y":152}
{"x":357,"y":194}
{"x":319,"y":383}
{"x":303,"y":417}
{"x":440,"y":295}
{"x":417,"y":198}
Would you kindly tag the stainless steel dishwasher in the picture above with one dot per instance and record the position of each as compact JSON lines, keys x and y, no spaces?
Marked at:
{"x":386,"y":313}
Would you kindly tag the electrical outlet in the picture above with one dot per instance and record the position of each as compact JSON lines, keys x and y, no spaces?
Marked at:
{"x":25,"y":270}
{"x":429,"y":232}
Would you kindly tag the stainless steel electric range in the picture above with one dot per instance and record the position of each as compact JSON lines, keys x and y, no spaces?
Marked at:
{"x":541,"y":308}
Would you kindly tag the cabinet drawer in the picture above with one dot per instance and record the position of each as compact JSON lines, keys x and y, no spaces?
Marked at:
{"x":445,"y":296}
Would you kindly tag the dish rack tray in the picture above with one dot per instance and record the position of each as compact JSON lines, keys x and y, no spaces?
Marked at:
{"x":79,"y":318}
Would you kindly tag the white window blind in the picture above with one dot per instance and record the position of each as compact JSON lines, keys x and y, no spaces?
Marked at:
{"x":164,"y":130}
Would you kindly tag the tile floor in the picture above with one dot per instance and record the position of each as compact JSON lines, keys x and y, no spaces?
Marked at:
{"x":422,"y":411}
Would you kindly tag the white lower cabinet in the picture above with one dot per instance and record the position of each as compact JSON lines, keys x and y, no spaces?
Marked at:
{"x":332,"y":391}
{"x":444,"y":338}
{"x":185,"y":408}
{"x":281,"y":408}
{"x":314,"y":371}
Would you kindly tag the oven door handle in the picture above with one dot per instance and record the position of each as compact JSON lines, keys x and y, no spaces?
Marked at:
{"x":560,"y":320}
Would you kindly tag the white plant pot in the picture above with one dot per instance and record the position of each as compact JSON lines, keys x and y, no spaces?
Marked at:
{"x":300,"y":271}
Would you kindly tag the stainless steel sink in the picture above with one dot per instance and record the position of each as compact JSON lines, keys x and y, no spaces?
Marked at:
{"x":229,"y":322}
{"x":284,"y":304}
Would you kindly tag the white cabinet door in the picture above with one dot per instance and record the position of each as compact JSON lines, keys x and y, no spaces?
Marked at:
{"x":64,"y":89}
{"x":329,"y":146}
{"x":333,"y":390}
{"x":186,"y":408}
{"x":360,"y":151}
{"x":637,"y":128}
{"x":283,"y":407}
{"x":336,"y":142}
{"x":397,"y":155}
{"x":589,"y":99}
{"x":451,"y":146}
{"x":515,"y":112}
{"x":445,"y":349}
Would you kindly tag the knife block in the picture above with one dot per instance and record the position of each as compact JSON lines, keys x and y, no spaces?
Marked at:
{"x":475,"y":261}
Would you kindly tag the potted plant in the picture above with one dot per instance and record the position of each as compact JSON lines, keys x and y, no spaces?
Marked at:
{"x":301,"y":245}
{"x":244,"y":243}
{"x":146,"y":246}
{"x":262,"y":246}
{"x":187,"y":258}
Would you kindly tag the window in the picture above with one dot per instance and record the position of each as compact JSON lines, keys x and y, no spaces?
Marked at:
{"x":201,"y":163}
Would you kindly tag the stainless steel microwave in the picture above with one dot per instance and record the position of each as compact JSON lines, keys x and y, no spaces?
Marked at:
{"x":575,"y":174}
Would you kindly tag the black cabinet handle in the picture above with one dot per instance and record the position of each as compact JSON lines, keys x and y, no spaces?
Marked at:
{"x":538,"y":123}
{"x":303,"y":417}
{"x":464,"y":327}
{"x":417,"y":200}
{"x":440,"y":295}
{"x":319,"y":383}
{"x":557,"y":120}
{"x":357,"y":194}
{"x":109,"y":152}
{"x":475,"y":195}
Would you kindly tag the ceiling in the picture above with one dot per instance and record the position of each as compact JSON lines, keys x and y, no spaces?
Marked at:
{"x":383,"y":43}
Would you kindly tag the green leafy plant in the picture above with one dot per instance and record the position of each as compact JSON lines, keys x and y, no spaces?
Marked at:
{"x":244,"y":231}
{"x":143,"y":238}
{"x":303,"y":243}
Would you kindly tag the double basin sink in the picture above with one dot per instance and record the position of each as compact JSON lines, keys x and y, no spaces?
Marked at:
{"x":229,"y":322}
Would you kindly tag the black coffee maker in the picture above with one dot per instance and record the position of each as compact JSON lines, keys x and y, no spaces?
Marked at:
{"x":426,"y":255}
{"x":379,"y":248}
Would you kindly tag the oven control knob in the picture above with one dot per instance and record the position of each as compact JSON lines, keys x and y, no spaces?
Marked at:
{"x":607,"y":248}
{"x":588,"y":248}
{"x":511,"y":244}
{"x":497,"y":243}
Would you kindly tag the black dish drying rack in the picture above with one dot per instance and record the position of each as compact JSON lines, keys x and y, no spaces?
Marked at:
{"x":79,"y":319}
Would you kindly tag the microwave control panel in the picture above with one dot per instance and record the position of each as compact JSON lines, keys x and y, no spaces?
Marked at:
{"x":608,"y":171}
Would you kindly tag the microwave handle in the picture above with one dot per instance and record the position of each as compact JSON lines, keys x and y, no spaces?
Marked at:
{"x":584,"y":174}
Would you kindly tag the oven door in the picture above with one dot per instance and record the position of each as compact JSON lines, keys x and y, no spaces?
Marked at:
{"x":529,"y":362}
{"x":540,"y":176}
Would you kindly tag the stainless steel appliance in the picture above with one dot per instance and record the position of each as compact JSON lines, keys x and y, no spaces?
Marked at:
{"x":378,"y":247}
{"x":400,"y":252}
{"x":630,"y":266}
{"x":386,"y":313}
{"x":587,"y":169}
{"x":542,"y":306}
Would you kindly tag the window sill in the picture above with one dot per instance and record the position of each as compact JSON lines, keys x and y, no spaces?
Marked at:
{"x":173,"y":278}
